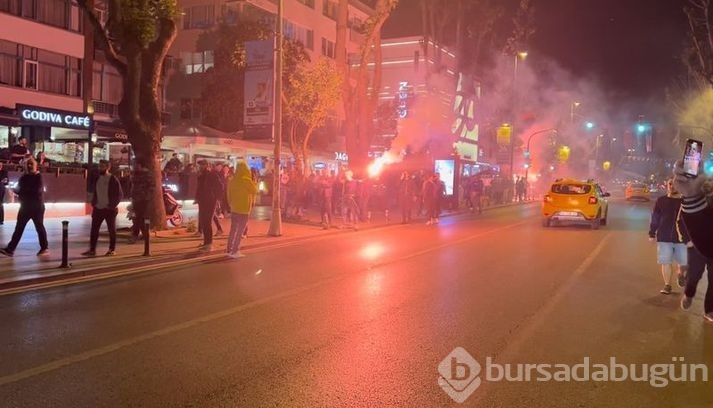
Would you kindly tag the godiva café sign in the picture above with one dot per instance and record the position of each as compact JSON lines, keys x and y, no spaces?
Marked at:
{"x":35,"y":115}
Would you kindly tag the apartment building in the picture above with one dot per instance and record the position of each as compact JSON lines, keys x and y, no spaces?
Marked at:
{"x":45,"y":65}
{"x":418,"y":83}
{"x":312,"y":22}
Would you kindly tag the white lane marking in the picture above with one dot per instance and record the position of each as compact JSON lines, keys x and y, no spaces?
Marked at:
{"x":110,"y":348}
{"x":521,"y":336}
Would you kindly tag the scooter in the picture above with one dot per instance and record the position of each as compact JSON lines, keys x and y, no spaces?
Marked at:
{"x":174,"y":215}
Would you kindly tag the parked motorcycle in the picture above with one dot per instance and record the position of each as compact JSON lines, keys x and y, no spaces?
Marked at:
{"x":174,"y":215}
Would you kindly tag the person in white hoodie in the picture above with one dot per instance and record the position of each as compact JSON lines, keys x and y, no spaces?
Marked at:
{"x":241,"y":191}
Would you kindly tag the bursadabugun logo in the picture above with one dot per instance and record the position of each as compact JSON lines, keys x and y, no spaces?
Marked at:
{"x":459,"y":373}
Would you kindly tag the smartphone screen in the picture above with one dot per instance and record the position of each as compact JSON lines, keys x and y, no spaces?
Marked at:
{"x":692,"y":157}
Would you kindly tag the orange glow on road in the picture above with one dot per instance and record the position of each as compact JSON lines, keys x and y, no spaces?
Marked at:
{"x":372,"y":251}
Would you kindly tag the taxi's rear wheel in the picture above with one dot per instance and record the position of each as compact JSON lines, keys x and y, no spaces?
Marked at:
{"x":604,"y":220}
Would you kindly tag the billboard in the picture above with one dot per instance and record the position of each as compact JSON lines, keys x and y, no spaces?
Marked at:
{"x":446,"y":170}
{"x":259,"y":88}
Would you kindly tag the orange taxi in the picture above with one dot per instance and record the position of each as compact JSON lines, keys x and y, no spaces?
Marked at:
{"x":575,"y":202}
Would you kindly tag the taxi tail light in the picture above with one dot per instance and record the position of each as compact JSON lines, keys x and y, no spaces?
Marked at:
{"x":548,"y":199}
{"x":592,"y":200}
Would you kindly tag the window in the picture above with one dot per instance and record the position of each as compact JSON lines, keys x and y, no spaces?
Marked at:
{"x":329,"y":9}
{"x":309,"y":41}
{"x":10,"y":64}
{"x":59,"y":13}
{"x":30,"y":75}
{"x":29,"y":9}
{"x":308,"y":3}
{"x":571,"y":188}
{"x":197,"y":62}
{"x":53,"y":12}
{"x":328,"y":48}
{"x":198,"y":17}
{"x":51,"y":72}
{"x":11,"y":6}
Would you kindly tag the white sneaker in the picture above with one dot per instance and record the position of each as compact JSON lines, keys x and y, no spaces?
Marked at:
{"x":237,"y":255}
{"x":709,"y":317}
{"x":205,"y":248}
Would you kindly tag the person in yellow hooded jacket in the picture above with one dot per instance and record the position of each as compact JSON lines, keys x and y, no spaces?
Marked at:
{"x":241,"y":197}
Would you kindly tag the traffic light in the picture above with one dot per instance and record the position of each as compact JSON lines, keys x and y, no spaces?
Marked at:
{"x":589,"y":125}
{"x":641,"y":128}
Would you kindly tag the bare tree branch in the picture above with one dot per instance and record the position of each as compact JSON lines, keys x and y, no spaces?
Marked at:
{"x":102,"y":38}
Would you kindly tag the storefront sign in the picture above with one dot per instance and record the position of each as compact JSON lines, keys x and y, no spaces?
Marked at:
{"x":341,"y":156}
{"x":35,"y":115}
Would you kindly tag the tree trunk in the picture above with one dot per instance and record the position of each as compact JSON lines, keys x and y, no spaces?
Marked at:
{"x":305,"y":148}
{"x":140,"y":113}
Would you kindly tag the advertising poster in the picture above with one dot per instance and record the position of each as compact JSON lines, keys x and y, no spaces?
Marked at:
{"x":259,"y":89}
{"x":258,"y":98}
{"x":446,"y":170}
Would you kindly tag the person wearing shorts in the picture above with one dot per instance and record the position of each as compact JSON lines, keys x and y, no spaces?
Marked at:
{"x":671,"y":236}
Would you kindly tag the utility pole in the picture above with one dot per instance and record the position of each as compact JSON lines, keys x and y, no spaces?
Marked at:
{"x":275,"y":229}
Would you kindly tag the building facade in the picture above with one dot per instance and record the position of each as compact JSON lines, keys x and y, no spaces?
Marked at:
{"x":311,"y":22}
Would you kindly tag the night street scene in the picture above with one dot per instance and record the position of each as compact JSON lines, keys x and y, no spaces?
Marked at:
{"x":356,"y":203}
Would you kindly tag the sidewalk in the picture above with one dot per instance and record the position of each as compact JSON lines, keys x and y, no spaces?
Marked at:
{"x":173,"y":246}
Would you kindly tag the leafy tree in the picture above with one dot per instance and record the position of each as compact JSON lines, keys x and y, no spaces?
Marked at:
{"x":312,"y":94}
{"x":361,"y":91}
{"x":222,"y":94}
{"x":135,"y":39}
{"x":223,"y":85}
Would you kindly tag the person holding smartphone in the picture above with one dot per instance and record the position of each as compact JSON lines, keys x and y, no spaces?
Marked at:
{"x":697,"y":215}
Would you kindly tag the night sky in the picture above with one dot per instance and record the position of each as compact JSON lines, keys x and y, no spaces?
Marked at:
{"x":632,"y":47}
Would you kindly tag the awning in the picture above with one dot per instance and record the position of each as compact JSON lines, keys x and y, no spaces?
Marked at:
{"x":110,"y":132}
{"x":194,"y":130}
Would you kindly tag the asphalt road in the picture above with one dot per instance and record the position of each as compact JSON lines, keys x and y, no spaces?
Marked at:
{"x":364,"y":319}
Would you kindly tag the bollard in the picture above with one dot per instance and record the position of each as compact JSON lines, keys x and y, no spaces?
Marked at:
{"x":386,"y":214}
{"x":147,"y":224}
{"x":65,"y":245}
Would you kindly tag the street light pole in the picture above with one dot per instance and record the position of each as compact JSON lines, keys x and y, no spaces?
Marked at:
{"x":518,"y":55}
{"x":275,"y":229}
{"x":529,"y":139}
{"x":571,"y":111}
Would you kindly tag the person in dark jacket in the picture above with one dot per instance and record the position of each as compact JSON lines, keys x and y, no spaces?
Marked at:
{"x":696,"y":209}
{"x":105,"y":206}
{"x":697,"y":215}
{"x":142,"y":191}
{"x":32,"y":207}
{"x":671,"y":237}
{"x":4,"y":181}
{"x":209,"y":191}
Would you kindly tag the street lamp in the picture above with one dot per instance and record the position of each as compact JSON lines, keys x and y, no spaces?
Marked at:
{"x":572,"y":106}
{"x":528,"y":153}
{"x":90,"y":140}
{"x":518,"y":55}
